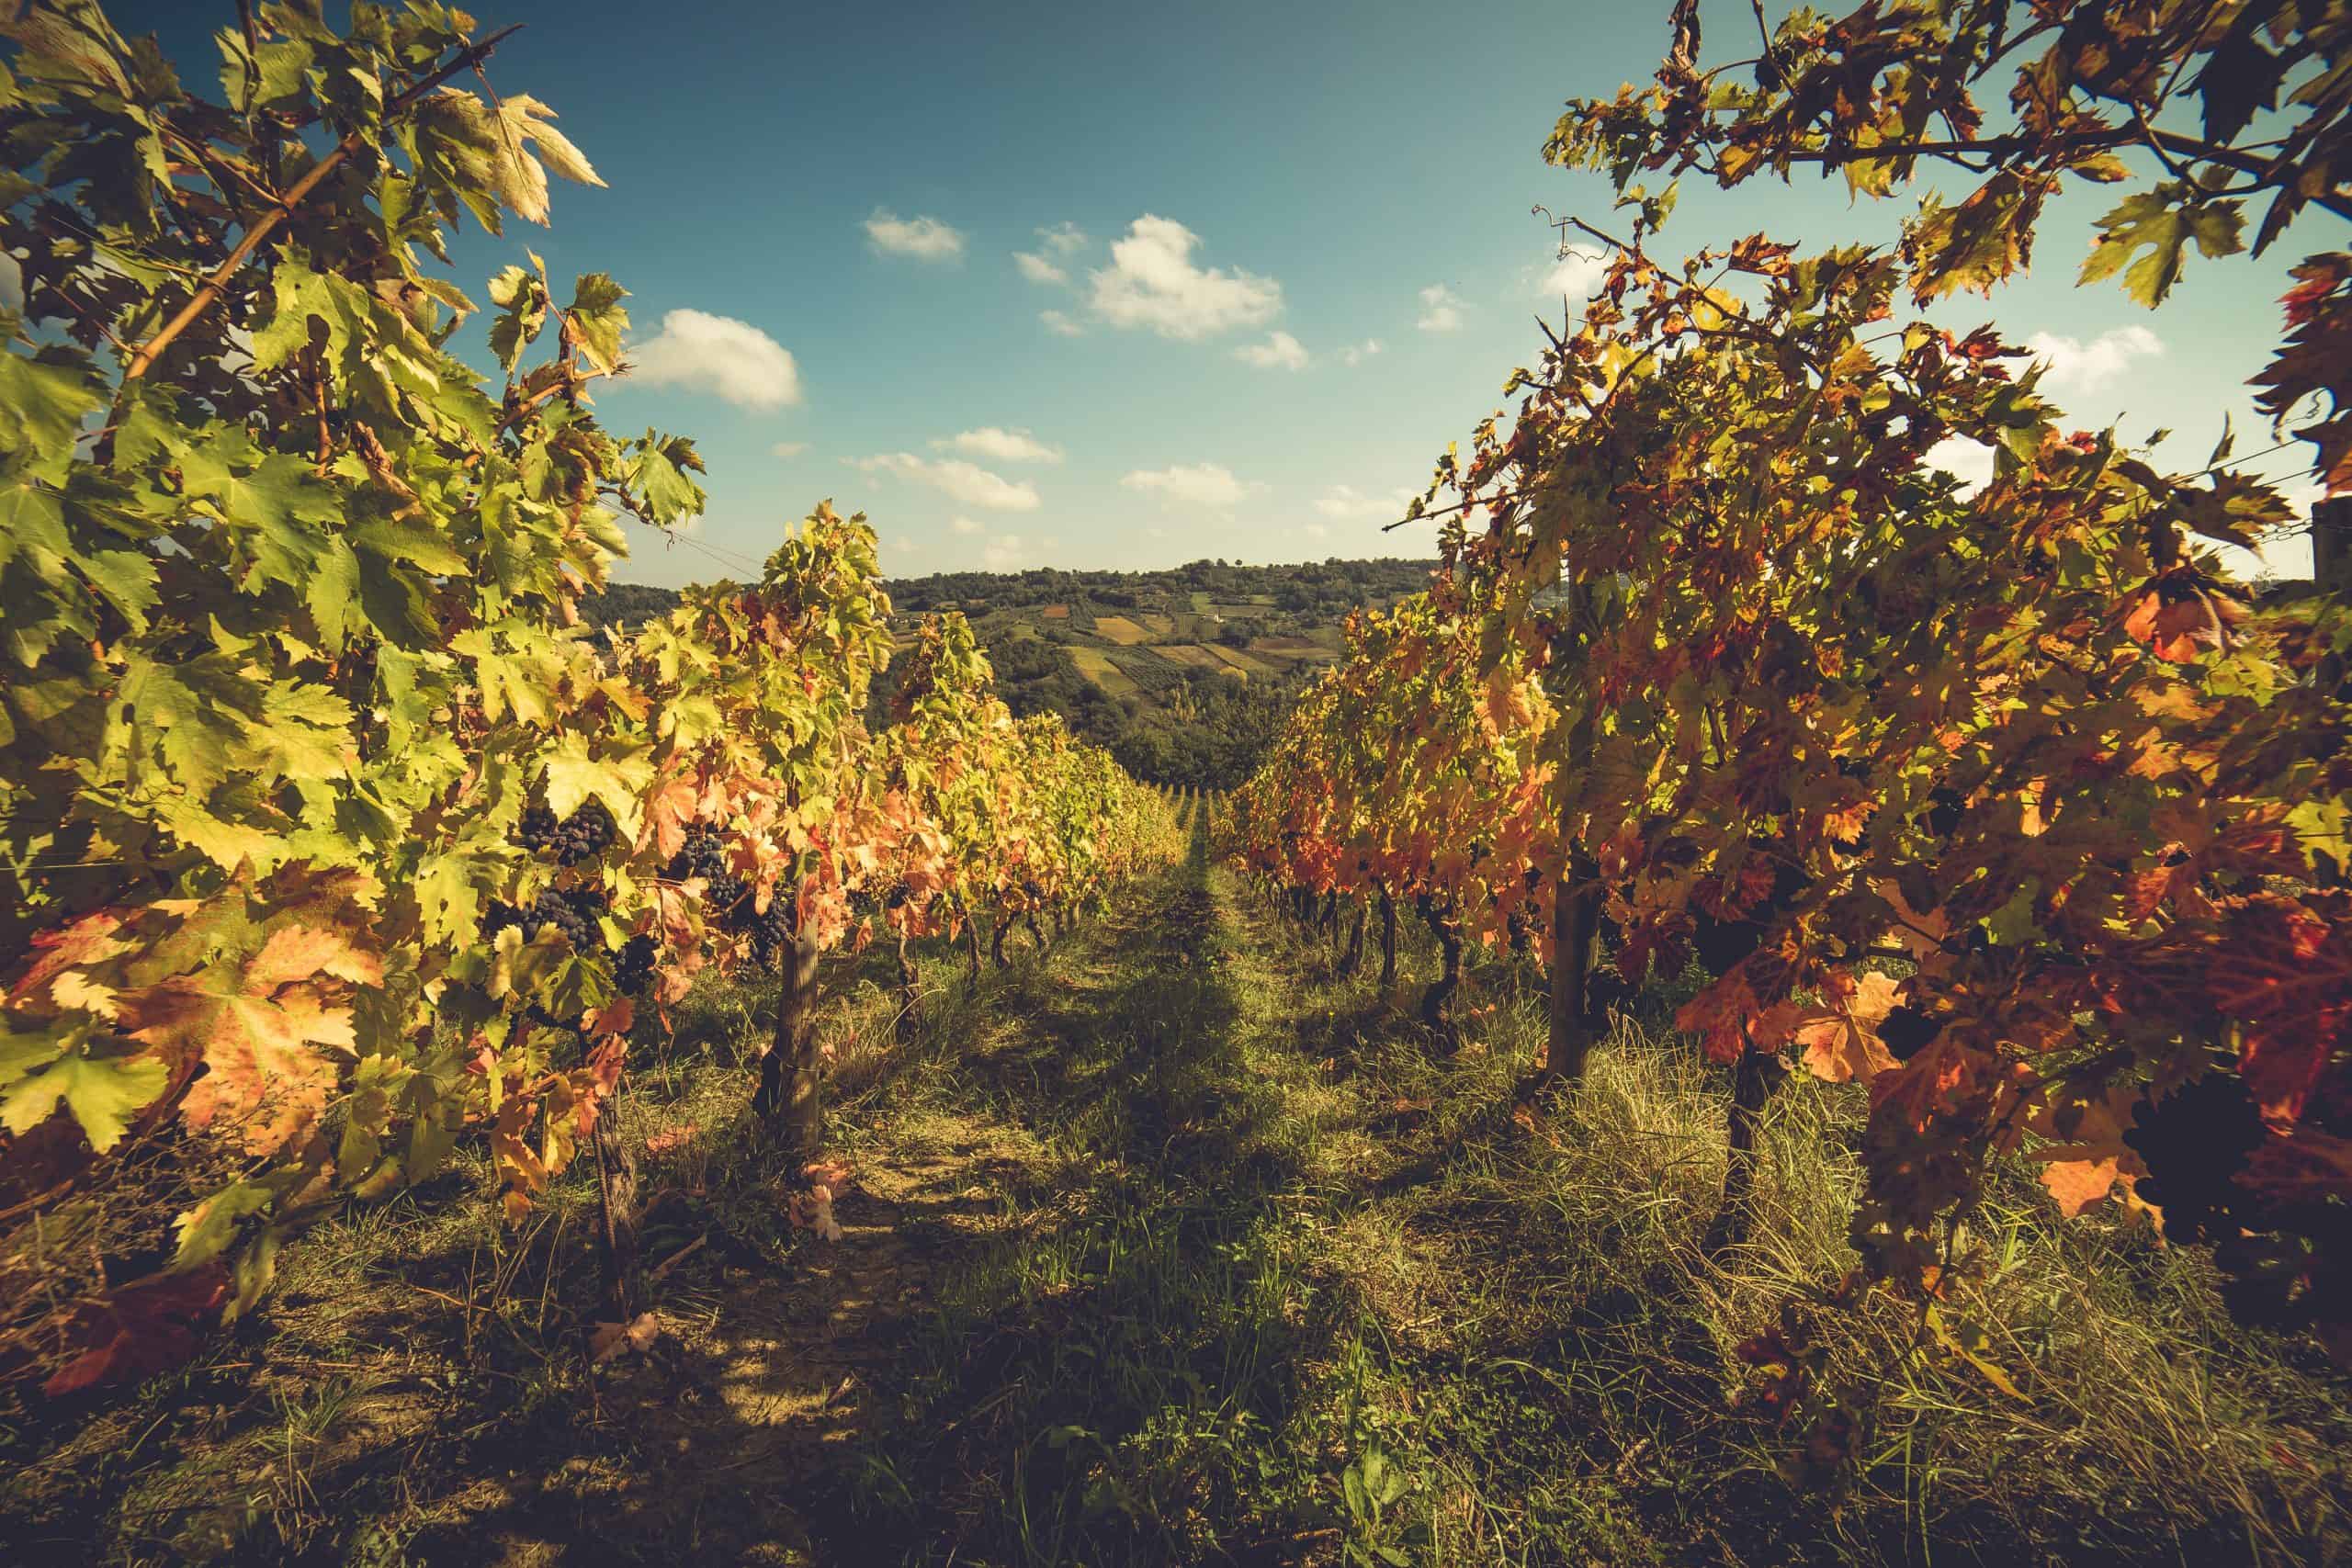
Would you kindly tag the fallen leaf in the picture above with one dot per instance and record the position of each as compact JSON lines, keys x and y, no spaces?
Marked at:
{"x":813,"y":1210}
{"x":670,"y":1138}
{"x":608,"y":1340}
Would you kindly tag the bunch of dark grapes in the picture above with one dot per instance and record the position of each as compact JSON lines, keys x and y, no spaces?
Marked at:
{"x":705,"y":855}
{"x":727,"y":898}
{"x":537,"y":831}
{"x":561,"y":911}
{"x":1605,"y":989}
{"x":574,"y":911}
{"x":771,"y":933}
{"x":582,"y":836}
{"x":1905,"y":1030}
{"x":1720,"y":943}
{"x":634,"y":967}
{"x":2194,"y":1142}
{"x":2283,"y":1257}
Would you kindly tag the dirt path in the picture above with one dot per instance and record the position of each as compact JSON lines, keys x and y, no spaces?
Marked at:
{"x":749,"y":1416}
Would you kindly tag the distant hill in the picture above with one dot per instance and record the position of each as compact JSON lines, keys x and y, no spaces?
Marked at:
{"x":1184,"y":675}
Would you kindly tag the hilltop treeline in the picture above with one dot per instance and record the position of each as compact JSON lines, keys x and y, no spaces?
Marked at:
{"x":1331,"y":587}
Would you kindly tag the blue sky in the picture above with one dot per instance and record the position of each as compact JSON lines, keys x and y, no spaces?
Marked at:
{"x":1227,"y":206}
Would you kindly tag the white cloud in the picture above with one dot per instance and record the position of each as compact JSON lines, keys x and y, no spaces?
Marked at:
{"x":787,"y":448}
{"x":1152,"y":282}
{"x":966,"y":482}
{"x":1014,"y":552}
{"x":1440,"y":309}
{"x":1346,"y":502}
{"x":1037,"y":269}
{"x":1198,"y":484}
{"x":925,"y":239}
{"x":1059,"y":324}
{"x":1969,"y":462}
{"x":1063,"y":241}
{"x":1357,"y":353}
{"x":1576,"y":274}
{"x":2082,"y":367}
{"x":965,"y":527}
{"x":718,"y":353}
{"x":1004,"y":445}
{"x":1279,"y":352}
{"x":1315,"y":531}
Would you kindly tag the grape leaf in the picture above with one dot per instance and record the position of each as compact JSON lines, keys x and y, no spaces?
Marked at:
{"x":102,"y":1092}
{"x":2162,"y":221}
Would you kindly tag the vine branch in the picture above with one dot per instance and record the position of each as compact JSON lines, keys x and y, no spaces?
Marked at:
{"x":216,"y":284}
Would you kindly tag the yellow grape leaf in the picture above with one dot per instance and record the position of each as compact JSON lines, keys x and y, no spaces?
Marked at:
{"x":1962,"y":1340}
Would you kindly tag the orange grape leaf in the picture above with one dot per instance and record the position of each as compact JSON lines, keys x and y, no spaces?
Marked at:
{"x":1842,"y":1044}
{"x":2286,"y":976}
{"x":831,"y":1174}
{"x":257,"y":1028}
{"x":670,"y":1138}
{"x":2076,"y":1184}
{"x":813,"y":1210}
{"x":1719,"y":1015}
{"x":609,"y":1340}
{"x":87,"y":941}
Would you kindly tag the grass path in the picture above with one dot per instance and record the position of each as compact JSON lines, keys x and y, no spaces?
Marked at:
{"x":1202,"y":1332}
{"x":1069,"y":1293}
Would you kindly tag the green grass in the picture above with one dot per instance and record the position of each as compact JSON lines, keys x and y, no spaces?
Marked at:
{"x":1173,"y":1247}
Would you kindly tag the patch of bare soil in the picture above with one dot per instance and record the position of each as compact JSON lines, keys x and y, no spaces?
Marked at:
{"x":738,"y":1426}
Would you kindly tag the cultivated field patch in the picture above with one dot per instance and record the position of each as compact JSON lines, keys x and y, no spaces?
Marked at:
{"x":1096,"y":666}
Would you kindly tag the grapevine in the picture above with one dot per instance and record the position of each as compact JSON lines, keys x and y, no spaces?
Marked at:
{"x":2013,"y":804}
{"x":330,"y":838}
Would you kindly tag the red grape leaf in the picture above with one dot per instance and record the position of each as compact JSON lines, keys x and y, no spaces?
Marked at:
{"x":144,"y":1327}
{"x":2286,"y":975}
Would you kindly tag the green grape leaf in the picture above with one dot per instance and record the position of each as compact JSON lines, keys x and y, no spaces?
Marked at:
{"x":597,"y":319}
{"x":573,"y":777}
{"x":2162,"y":221}
{"x":102,"y":1092}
